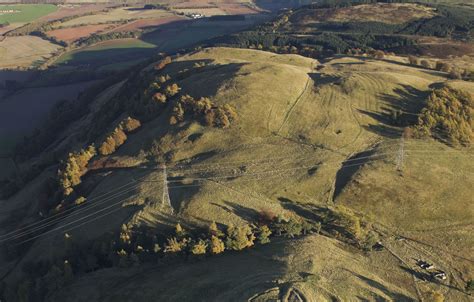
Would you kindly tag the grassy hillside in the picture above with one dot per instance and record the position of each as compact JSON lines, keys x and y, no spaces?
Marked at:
{"x":315,"y":269}
{"x":309,"y":136}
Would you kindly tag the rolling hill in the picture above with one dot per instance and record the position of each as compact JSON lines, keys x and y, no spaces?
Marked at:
{"x":309,"y":140}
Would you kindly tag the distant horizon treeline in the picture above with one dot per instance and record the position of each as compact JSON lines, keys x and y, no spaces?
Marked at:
{"x":79,"y":2}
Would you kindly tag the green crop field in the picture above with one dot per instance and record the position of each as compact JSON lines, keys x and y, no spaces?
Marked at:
{"x":126,"y":50}
{"x":25,"y":12}
{"x":107,"y":52}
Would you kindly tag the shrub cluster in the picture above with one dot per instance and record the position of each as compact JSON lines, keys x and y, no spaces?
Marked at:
{"x":454,"y":72}
{"x":203,"y":110}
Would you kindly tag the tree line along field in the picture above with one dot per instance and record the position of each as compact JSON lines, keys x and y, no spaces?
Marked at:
{"x":102,"y":23}
{"x":171,"y":34}
{"x":28,"y":51}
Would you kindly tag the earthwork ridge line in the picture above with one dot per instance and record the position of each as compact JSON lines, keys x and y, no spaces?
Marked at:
{"x":89,"y":215}
{"x":132,"y":188}
{"x":89,"y":205}
{"x":288,"y":113}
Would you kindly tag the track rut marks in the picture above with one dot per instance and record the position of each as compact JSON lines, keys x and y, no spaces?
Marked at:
{"x":288,"y":113}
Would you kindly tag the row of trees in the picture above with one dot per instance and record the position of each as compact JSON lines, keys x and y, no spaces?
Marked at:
{"x":132,"y":246}
{"x":118,"y":136}
{"x":97,"y":38}
{"x":71,"y":170}
{"x":453,"y":71}
{"x":75,"y":166}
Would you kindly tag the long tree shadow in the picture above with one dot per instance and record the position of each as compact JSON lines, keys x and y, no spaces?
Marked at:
{"x":400,"y":110}
{"x":323,"y":79}
{"x":394,"y":296}
{"x":425,"y":276}
{"x":241,"y":211}
{"x":328,"y":218}
{"x":349,"y":169}
{"x":200,"y":78}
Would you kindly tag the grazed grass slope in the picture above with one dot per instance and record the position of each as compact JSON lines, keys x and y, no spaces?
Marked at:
{"x":300,"y":124}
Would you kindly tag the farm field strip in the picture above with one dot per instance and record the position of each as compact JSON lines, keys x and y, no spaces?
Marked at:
{"x":24,"y":12}
{"x":117,"y":15}
{"x":74,"y":33}
{"x":24,"y":50}
{"x":74,"y":10}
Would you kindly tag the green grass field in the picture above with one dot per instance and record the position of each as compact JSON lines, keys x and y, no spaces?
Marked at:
{"x":107,"y":52}
{"x":27,"y":12}
{"x":170,"y":39}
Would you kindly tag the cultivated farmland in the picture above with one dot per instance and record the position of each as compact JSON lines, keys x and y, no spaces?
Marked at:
{"x":74,"y":10}
{"x":107,"y":52}
{"x":117,"y":15}
{"x":24,"y":51}
{"x":23,"y":13}
{"x":72,"y":34}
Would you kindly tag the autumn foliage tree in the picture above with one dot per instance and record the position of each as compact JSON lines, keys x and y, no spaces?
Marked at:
{"x":159,"y":98}
{"x":239,"y":238}
{"x":199,"y":248}
{"x":172,"y":90}
{"x":113,"y":141}
{"x":174,"y":245}
{"x":214,"y":230}
{"x":73,"y":168}
{"x":162,"y":64}
{"x":264,"y":233}
{"x":130,"y":124}
{"x":117,"y":137}
{"x":447,"y":115}
{"x":216,"y":245}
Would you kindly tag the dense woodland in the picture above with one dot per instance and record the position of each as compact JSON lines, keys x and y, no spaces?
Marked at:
{"x":448,"y":116}
{"x":340,"y":37}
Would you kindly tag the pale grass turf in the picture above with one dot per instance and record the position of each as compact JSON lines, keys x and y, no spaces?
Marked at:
{"x":284,"y":129}
{"x":23,"y":51}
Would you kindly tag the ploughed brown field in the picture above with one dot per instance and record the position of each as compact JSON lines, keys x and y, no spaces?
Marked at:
{"x":72,"y":34}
